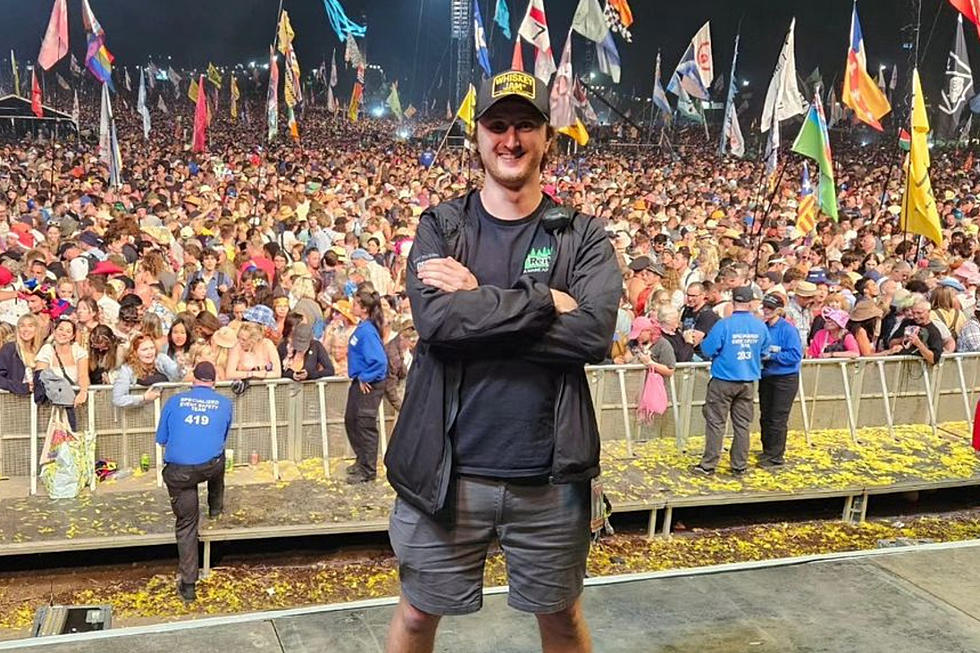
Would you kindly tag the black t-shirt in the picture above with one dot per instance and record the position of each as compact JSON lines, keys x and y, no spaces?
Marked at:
{"x":683,"y":351}
{"x":701,"y":321}
{"x":505,"y":424}
{"x":929,"y":334}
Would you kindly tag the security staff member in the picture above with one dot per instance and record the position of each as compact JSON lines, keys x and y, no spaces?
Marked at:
{"x":193,"y":428}
{"x":735,"y":346}
{"x":780,"y":380}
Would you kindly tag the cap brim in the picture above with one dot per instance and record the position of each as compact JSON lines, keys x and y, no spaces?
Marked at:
{"x":544,"y":116}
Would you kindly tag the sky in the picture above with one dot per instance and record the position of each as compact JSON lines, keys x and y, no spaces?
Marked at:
{"x":417,"y":53}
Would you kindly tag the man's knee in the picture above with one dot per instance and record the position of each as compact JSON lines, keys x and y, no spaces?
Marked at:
{"x":568,"y":620}
{"x":416,"y":621}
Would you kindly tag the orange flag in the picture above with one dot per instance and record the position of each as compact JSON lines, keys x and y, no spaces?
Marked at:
{"x":517,"y":61}
{"x":36,"y":96}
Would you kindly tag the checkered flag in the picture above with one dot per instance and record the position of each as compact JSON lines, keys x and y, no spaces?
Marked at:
{"x":616,"y":22}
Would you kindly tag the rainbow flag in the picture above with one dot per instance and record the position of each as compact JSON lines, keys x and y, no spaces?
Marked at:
{"x":813,"y":141}
{"x":98,"y":59}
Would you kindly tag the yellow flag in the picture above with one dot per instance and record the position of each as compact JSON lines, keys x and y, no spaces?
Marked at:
{"x":192,"y":91}
{"x":919,"y":214}
{"x":286,"y":33}
{"x":576,"y":132}
{"x":234,"y":97}
{"x":467,"y":110}
{"x":214,"y":75}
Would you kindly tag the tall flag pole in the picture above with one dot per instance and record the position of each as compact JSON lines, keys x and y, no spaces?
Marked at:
{"x":480,"y":40}
{"x":659,"y":96}
{"x":731,"y":133}
{"x":814,"y":141}
{"x":108,"y":142}
{"x":563,"y":117}
{"x":55,"y":43}
{"x":141,"y":107}
{"x":783,"y":98}
{"x":860,"y":92}
{"x":98,"y":59}
{"x":959,"y":85}
{"x":919,"y":214}
{"x":272,"y":97}
{"x":695,"y":70}
{"x":534,"y":29}
{"x":13,"y":66}
{"x":235,"y":95}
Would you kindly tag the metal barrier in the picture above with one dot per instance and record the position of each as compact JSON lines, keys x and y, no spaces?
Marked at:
{"x":284,"y":420}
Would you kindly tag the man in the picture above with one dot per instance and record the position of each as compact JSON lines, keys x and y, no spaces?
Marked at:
{"x":780,"y":380}
{"x":378,"y":275}
{"x":648,"y":279}
{"x":697,"y":318}
{"x":735,"y":346}
{"x":918,"y":336}
{"x":511,"y":297}
{"x":799,"y":311}
{"x":216,"y":281}
{"x":193,"y":429}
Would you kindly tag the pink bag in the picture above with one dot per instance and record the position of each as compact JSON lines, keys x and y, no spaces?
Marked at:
{"x":653,"y":399}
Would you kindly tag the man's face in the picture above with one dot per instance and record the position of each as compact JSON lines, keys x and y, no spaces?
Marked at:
{"x":694,"y":298}
{"x":920,"y":314}
{"x":512,"y":140}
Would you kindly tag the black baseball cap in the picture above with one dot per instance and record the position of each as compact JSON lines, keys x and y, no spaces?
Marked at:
{"x":204,"y":371}
{"x":513,"y":83}
{"x":743,"y":295}
{"x":773,"y":300}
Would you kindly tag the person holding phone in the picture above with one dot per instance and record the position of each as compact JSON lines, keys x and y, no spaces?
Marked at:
{"x":303,"y":357}
{"x":918,"y":336}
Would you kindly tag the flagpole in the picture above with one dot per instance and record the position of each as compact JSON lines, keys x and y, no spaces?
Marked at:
{"x":765,"y":216}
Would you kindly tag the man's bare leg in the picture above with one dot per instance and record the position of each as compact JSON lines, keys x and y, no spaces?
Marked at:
{"x":411,"y":630}
{"x":565,"y":631}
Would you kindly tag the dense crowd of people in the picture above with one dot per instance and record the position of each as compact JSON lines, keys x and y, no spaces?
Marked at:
{"x":264,"y":260}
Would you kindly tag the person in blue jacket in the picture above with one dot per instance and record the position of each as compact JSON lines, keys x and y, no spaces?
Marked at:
{"x":193,"y":428}
{"x":735,"y":346}
{"x":780,"y":380}
{"x":367,"y":367}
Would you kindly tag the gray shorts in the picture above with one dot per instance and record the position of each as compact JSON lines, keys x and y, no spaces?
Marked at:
{"x":542,"y":529}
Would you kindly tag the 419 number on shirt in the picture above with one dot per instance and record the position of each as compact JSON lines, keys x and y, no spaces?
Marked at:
{"x":199,"y":420}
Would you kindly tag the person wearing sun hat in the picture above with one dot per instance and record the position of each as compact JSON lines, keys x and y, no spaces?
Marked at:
{"x":833,"y":340}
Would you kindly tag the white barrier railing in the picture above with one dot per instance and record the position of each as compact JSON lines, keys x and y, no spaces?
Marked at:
{"x":284,"y":420}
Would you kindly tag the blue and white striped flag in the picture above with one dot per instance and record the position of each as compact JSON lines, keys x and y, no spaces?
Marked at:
{"x":480,"y":40}
{"x":659,"y":97}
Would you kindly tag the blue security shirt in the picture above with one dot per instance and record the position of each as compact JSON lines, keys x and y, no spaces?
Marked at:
{"x":735,"y":346}
{"x":366,"y":358}
{"x":785,"y":350}
{"x":194,"y":426}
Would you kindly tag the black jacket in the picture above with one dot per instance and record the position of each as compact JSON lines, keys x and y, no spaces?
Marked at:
{"x":316,"y":362}
{"x":12,"y":370}
{"x":516,"y":321}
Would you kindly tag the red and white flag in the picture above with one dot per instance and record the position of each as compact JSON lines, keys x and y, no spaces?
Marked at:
{"x":534,"y":29}
{"x":55,"y":43}
{"x":36,"y":96}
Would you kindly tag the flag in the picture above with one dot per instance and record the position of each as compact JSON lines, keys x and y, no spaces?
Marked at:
{"x":192,"y":91}
{"x":285,"y":32}
{"x":970,"y":9}
{"x":534,"y":29}
{"x":393,"y":102}
{"x":272,"y":97}
{"x":173,"y":77}
{"x":108,"y":142}
{"x":904,"y":140}
{"x":74,"y":111}
{"x":129,"y":83}
{"x":141,"y":107}
{"x":62,"y":82}
{"x":74,"y":66}
{"x":619,"y":17}
{"x":199,"y":143}
{"x":783,"y":99}
{"x":959,"y":85}
{"x":517,"y":60}
{"x":806,"y":211}
{"x":919,"y":214}
{"x":214,"y":75}
{"x":687,"y":108}
{"x":835,"y":114}
{"x":331,"y":101}
{"x":860,"y":93}
{"x":813,"y":141}
{"x":292,"y":89}
{"x":501,"y":16}
{"x":291,"y":122}
{"x":467,"y":110}
{"x":731,"y":132}
{"x":563,"y":117}
{"x":772,"y":151}
{"x":98,"y":59}
{"x":151,"y":74}
{"x":352,"y":55}
{"x":607,"y":57}
{"x":815,"y":81}
{"x":965,"y":132}
{"x":449,"y":111}
{"x":880,"y":82}
{"x":235,"y":94}
{"x":161,"y":105}
{"x":589,"y":21}
{"x":13,"y":65}
{"x":55,"y":43}
{"x":36,"y":105}
{"x":582,"y":104}
{"x":695,"y":70}
{"x":333,"y":68}
{"x":659,"y":96}
{"x":480,"y":40}
{"x":893,"y":82}
{"x":355,"y":96}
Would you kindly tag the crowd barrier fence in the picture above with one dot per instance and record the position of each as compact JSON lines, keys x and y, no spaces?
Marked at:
{"x":284,"y":420}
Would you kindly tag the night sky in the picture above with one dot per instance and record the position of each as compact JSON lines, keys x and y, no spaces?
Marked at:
{"x":236,"y":31}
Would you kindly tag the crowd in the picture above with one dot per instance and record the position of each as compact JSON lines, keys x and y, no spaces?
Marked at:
{"x":278,"y":261}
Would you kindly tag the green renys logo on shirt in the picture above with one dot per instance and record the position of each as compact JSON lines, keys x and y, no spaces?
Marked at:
{"x":537,"y":260}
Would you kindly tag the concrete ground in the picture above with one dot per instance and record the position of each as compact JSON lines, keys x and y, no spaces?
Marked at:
{"x":920,"y":600}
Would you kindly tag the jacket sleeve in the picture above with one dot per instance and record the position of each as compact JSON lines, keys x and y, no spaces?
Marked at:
{"x":163,"y":428}
{"x":790,"y":349}
{"x":711,"y":344}
{"x":12,"y":373}
{"x":376,"y":361}
{"x":584,"y":335}
{"x":321,"y":360}
{"x":470,"y":318}
{"x":121,"y":387}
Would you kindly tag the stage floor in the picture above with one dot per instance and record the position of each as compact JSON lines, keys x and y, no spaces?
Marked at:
{"x":921,"y":600}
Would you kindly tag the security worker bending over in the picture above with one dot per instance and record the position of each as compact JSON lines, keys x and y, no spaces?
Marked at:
{"x":193,"y":428}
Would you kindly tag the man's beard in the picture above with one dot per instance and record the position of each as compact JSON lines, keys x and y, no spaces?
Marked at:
{"x":510,"y":177}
